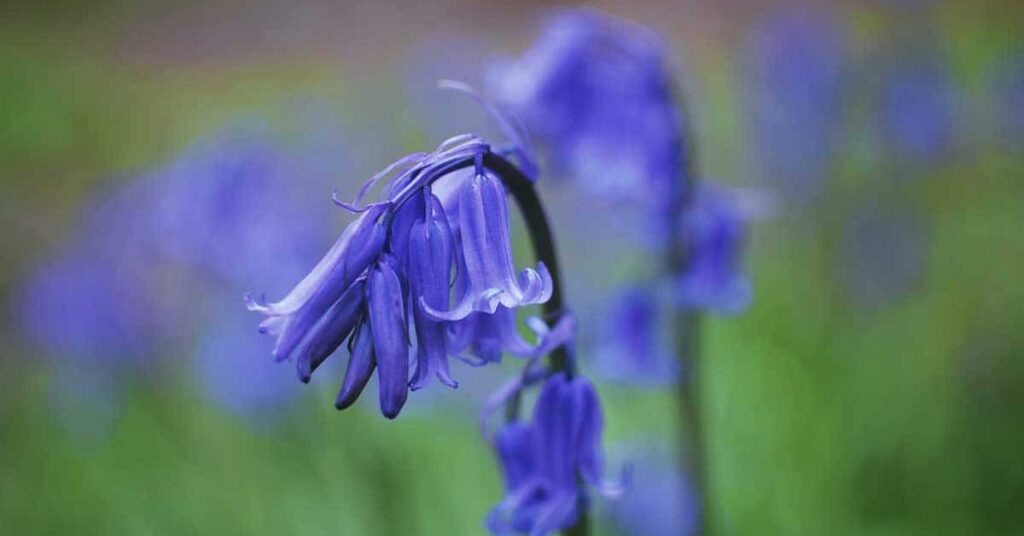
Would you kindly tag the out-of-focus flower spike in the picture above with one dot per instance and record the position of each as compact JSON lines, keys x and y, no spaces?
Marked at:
{"x":597,"y":93}
{"x":716,"y":230}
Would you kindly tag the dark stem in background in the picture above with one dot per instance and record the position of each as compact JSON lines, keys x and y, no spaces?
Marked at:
{"x":686,"y":322}
{"x":521,"y":189}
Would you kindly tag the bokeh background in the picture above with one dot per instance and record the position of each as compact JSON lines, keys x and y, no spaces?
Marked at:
{"x":159,"y":159}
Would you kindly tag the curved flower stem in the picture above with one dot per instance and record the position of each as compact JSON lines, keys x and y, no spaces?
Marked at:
{"x":521,"y":189}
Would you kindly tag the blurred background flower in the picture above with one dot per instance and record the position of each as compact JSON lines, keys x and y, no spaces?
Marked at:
{"x":797,"y":62}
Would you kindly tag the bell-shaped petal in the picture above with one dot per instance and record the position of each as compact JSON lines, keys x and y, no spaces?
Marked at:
{"x":293,"y":317}
{"x":491,"y":279}
{"x":408,"y":214}
{"x":361,"y":364}
{"x":430,"y":266}
{"x":513,"y":444}
{"x":390,"y":338}
{"x":487,"y":336}
{"x":557,"y":416}
{"x":543,"y":460}
{"x":330,"y":331}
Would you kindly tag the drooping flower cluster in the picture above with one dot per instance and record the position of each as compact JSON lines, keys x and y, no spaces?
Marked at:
{"x":546,"y":460}
{"x":597,"y":92}
{"x":386,"y":285}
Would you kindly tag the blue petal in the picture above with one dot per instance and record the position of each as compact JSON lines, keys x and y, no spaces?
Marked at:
{"x":330,"y":331}
{"x":360,"y":366}
{"x":430,"y":262}
{"x":358,"y":246}
{"x":390,"y":339}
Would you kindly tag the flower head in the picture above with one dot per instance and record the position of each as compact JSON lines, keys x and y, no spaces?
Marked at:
{"x":544,"y":461}
{"x":597,"y":92}
{"x":714,"y":228}
{"x":386,"y":283}
{"x":486,"y":254}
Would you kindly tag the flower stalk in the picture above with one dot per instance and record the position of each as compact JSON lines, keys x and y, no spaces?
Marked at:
{"x":686,"y":322}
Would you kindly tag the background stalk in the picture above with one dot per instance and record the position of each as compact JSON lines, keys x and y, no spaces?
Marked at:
{"x":686,"y":321}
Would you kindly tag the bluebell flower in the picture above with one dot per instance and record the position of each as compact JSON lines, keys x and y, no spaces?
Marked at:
{"x":598,"y":94}
{"x":714,"y":229}
{"x":632,"y":346}
{"x":430,"y":267}
{"x":386,"y":284}
{"x":92,"y":302}
{"x":387,"y":320}
{"x":795,"y":63}
{"x":96,"y":311}
{"x":232,"y":373}
{"x":486,"y":254}
{"x":231,"y":208}
{"x":544,"y":461}
{"x":661,"y":499}
{"x":234,"y":205}
{"x":917,"y":110}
